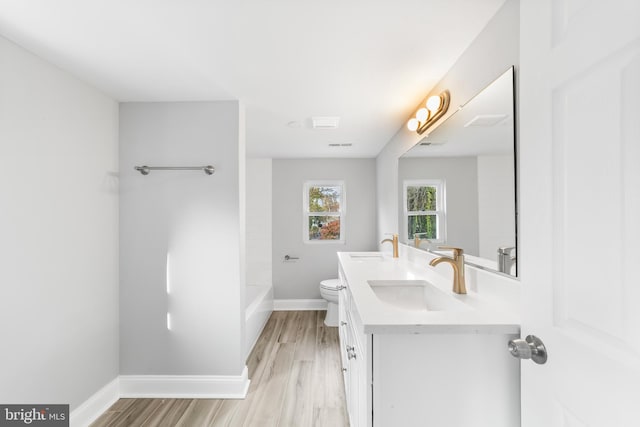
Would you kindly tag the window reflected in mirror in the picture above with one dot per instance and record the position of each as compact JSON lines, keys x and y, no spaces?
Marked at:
{"x":424,"y":213}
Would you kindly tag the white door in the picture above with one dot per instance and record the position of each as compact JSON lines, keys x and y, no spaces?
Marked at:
{"x":580,"y":210}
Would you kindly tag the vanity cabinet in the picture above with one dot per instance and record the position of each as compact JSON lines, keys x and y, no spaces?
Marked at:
{"x":355,"y":347}
{"x":411,"y":378}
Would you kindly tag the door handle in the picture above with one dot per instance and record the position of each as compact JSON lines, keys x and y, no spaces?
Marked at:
{"x":531,"y":347}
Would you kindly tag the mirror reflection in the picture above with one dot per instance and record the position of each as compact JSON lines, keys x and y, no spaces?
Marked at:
{"x":457,"y":185}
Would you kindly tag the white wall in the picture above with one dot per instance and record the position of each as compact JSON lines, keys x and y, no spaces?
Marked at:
{"x":301,"y":279}
{"x":59,"y":233}
{"x":494,"y":50}
{"x":259,"y":222}
{"x":187,"y":227}
{"x":496,"y":204}
{"x":461,"y":188}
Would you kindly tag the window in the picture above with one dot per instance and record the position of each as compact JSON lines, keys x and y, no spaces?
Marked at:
{"x":424,"y":209}
{"x":324,"y":209}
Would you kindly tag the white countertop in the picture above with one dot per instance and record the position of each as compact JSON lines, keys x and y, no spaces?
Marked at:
{"x":493,"y":301}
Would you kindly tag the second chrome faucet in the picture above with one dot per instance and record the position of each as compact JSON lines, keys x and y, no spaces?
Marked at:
{"x":457,"y":262}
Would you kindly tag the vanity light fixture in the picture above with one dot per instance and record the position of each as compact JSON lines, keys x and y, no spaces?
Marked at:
{"x":436,"y":106}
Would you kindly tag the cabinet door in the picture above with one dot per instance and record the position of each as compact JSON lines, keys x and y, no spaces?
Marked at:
{"x":342,"y":328}
{"x":354,"y":363}
{"x":450,"y":380}
{"x":354,"y":375}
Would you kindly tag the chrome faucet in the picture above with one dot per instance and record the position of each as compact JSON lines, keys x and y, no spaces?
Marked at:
{"x":394,"y":242}
{"x":457,"y":262}
{"x":506,"y":258}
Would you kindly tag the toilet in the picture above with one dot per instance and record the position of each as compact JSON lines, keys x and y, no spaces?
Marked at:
{"x":329,"y":291}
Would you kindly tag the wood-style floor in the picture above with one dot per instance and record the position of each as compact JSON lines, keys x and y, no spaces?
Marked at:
{"x":295,"y":381}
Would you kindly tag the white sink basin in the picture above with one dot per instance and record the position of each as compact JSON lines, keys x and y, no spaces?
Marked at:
{"x":415,"y":295}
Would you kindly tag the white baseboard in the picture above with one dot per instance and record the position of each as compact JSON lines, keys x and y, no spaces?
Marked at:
{"x":94,"y":406}
{"x":160,"y":386}
{"x":299,"y":304}
{"x":185,"y":386}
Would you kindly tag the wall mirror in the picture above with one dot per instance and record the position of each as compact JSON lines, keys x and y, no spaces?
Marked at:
{"x":457,"y":186}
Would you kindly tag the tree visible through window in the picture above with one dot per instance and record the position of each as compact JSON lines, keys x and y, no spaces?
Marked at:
{"x":324,"y":207}
{"x":424,"y":209}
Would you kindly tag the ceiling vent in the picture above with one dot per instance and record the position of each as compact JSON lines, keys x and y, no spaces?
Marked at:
{"x":486,"y":120}
{"x":325,"y":122}
{"x":424,"y":141}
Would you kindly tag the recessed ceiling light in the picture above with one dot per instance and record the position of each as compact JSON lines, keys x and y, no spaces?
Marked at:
{"x":325,"y":122}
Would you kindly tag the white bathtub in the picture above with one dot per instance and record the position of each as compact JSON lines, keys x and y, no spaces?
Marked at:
{"x":259,"y":307}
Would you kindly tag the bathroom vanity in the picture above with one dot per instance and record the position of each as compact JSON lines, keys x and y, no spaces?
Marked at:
{"x":416,"y":354}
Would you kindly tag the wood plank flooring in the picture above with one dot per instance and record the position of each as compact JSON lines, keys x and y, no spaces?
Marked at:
{"x":296,"y":381}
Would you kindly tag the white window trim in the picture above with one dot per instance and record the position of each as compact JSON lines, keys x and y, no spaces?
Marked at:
{"x":441,"y":213}
{"x":306,"y":214}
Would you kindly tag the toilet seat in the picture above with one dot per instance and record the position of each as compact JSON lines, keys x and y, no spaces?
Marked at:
{"x":330,"y":284}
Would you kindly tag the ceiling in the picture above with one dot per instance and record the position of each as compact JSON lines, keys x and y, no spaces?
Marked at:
{"x":368,"y":62}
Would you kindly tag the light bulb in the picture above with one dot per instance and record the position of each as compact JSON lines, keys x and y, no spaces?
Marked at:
{"x":412,"y":124}
{"x":422,"y":115}
{"x":433,"y":103}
